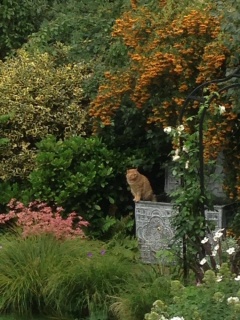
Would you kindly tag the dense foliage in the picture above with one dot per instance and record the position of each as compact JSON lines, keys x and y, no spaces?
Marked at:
{"x":38,"y":218}
{"x":217,"y":298}
{"x":75,"y":278}
{"x":19,"y":18}
{"x":83,"y":175}
{"x":41,"y":97}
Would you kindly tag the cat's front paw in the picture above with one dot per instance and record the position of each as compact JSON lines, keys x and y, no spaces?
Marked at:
{"x":136,"y":199}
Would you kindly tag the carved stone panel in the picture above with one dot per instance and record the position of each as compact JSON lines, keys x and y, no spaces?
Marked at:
{"x":154,"y":230}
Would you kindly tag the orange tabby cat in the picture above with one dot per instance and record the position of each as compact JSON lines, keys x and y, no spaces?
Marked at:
{"x":140,"y":186}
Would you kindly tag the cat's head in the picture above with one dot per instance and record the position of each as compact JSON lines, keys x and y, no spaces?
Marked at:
{"x":132,"y":174}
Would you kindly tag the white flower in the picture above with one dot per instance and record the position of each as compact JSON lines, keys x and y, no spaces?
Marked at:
{"x":176,"y":157}
{"x":219,"y":278}
{"x":217,"y":235}
{"x":204,"y":240}
{"x":216,"y":247}
{"x":230,"y":250}
{"x":214,"y":253}
{"x":187,"y":164}
{"x":180,"y":128}
{"x":222,"y":109}
{"x":232,"y":300}
{"x":218,"y":266}
{"x":203,"y":261}
{"x":185,"y":149}
{"x":167,"y":130}
{"x":177,"y":318}
{"x":237,"y":278}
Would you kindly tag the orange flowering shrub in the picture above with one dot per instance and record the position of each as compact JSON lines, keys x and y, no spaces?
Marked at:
{"x":171,"y":51}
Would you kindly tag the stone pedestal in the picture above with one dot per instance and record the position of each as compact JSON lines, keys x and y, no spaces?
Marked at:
{"x":154,"y":230}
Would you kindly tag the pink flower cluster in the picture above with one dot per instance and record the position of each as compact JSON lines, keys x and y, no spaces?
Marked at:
{"x":39,"y":218}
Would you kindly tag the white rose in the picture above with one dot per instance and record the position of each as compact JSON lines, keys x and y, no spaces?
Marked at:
{"x":180,"y":128}
{"x":203,"y":261}
{"x":167,"y":130}
{"x":175,"y":158}
{"x":204,"y":240}
{"x":230,"y":250}
{"x":222,"y":109}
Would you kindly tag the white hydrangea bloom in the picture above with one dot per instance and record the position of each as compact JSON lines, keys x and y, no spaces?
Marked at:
{"x":232,"y":300}
{"x":177,"y":318}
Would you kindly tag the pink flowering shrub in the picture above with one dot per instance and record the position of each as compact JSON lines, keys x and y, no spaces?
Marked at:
{"x":39,"y":218}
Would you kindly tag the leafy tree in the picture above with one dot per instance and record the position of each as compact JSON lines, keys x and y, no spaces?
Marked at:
{"x":41,"y":97}
{"x":230,"y":22}
{"x":19,"y":18}
{"x":83,"y":25}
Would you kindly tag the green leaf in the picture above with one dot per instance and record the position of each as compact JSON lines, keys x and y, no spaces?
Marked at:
{"x":111,"y":200}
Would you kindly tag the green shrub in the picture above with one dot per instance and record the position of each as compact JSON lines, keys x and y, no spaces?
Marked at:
{"x":38,"y":218}
{"x":79,"y":174}
{"x":75,"y":277}
{"x":83,"y":25}
{"x":217,"y":298}
{"x":19,"y":18}
{"x":24,"y":272}
{"x":146,"y":285}
{"x":87,"y":282}
{"x":41,"y":97}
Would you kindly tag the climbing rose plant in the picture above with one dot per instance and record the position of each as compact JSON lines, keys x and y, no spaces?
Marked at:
{"x":38,"y":218}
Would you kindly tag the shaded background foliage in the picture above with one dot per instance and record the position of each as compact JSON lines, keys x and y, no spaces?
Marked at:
{"x":19,"y":18}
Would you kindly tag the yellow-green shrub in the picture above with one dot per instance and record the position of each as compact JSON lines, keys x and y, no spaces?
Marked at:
{"x":42,"y":97}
